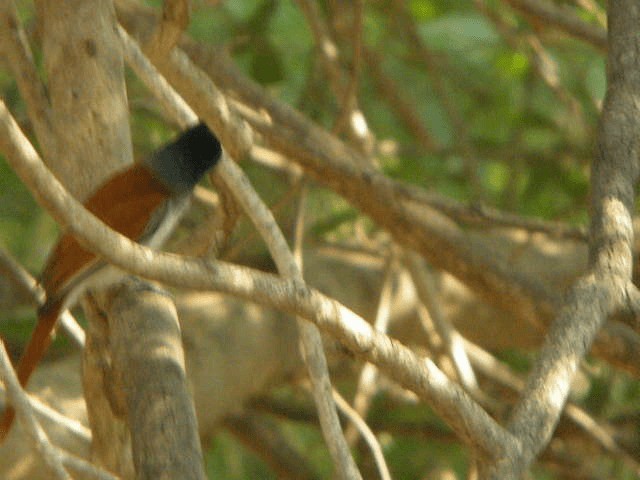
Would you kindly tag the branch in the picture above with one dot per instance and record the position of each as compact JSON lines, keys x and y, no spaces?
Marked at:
{"x":604,"y":289}
{"x":452,"y":341}
{"x":551,"y":14}
{"x":330,"y":162}
{"x":405,"y":211}
{"x":367,"y":383}
{"x":14,"y":45}
{"x":311,"y":341}
{"x":78,"y":44}
{"x":543,"y":63}
{"x":459,"y":410}
{"x":25,"y":415}
{"x":21,"y":285}
{"x":148,"y":367}
{"x":28,"y":285}
{"x":397,"y":101}
{"x":175,"y":19}
{"x":597,"y":432}
{"x":344,"y":90}
{"x":267,"y":226}
{"x":414,"y":43}
{"x":369,"y":437}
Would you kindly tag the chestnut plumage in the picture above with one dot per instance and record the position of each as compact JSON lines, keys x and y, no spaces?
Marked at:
{"x":144,"y":203}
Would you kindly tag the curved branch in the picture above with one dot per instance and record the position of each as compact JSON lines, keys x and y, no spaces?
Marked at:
{"x":561,"y":18}
{"x":408,"y":214}
{"x":603,"y":291}
{"x":263,"y":219}
{"x":420,"y":375}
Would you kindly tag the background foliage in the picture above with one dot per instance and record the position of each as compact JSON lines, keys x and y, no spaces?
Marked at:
{"x":507,"y":109}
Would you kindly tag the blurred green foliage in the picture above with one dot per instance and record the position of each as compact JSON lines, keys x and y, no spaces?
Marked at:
{"x":481,"y":98}
{"x":228,"y":459}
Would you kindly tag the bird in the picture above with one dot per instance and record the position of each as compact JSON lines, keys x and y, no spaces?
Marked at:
{"x":143,"y":202}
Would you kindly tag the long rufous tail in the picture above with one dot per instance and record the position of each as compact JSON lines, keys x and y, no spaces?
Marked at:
{"x":37,"y":346}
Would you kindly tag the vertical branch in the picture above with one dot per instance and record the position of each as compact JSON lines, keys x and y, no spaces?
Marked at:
{"x":91,"y":126}
{"x":453,"y":343}
{"x":90,"y":119}
{"x":367,"y":385}
{"x":615,"y":166}
{"x":349,"y":102}
{"x":311,"y":342}
{"x":148,"y":360}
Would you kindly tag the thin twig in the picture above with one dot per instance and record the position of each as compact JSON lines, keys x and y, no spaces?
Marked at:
{"x":348,"y":103}
{"x":330,"y":60}
{"x":24,"y":278}
{"x":24,"y":412}
{"x":312,"y":350}
{"x":408,"y":28}
{"x":398,"y":103}
{"x":15,"y":46}
{"x":363,"y":429}
{"x":452,"y":341}
{"x":14,"y":272}
{"x":543,"y":63}
{"x":367,"y":381}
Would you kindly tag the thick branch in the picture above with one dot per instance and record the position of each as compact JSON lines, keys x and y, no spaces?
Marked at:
{"x":148,"y":361}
